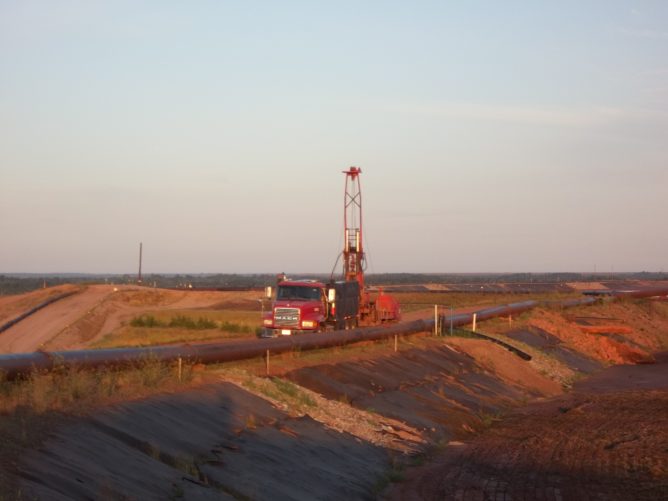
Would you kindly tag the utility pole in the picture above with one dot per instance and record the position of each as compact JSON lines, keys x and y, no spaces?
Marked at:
{"x":139,"y":280}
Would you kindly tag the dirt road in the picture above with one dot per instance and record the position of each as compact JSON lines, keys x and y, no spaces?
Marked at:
{"x":33,"y":332}
{"x":77,"y":321}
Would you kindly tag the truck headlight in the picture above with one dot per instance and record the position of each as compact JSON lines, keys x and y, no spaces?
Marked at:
{"x":268,"y":322}
{"x":308,"y":324}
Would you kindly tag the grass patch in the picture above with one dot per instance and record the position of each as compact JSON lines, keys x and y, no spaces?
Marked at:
{"x":293,"y":391}
{"x":137,"y":337}
{"x":72,"y":389}
{"x":177,"y":322}
{"x":280,"y":390}
{"x":182,"y":326}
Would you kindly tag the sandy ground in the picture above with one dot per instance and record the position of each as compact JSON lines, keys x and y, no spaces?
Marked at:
{"x":33,"y":332}
{"x":14,"y":305}
{"x":78,"y":321}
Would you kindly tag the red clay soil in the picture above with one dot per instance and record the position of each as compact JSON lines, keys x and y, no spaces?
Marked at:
{"x":641,"y":336}
{"x":607,"y":440}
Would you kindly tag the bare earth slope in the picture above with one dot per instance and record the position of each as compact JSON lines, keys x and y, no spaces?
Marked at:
{"x":33,"y":332}
{"x":14,"y":305}
{"x":77,"y":321}
{"x":607,"y":440}
{"x":220,"y":440}
{"x":217,"y":442}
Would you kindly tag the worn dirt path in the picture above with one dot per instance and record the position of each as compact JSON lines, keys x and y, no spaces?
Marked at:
{"x":77,"y":321}
{"x":33,"y":332}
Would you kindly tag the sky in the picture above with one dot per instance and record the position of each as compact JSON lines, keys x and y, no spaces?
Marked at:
{"x":514,"y":136}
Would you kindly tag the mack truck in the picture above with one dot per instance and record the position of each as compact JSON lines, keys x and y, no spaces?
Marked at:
{"x":301,"y":306}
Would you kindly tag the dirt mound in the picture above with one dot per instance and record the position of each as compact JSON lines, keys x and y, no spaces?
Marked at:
{"x":552,"y":346}
{"x":637,"y":332}
{"x":580,"y":446}
{"x":441,"y":390}
{"x":629,"y":377}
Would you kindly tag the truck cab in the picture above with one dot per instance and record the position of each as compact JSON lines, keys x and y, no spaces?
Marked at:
{"x":301,"y":306}
{"x":298,"y":306}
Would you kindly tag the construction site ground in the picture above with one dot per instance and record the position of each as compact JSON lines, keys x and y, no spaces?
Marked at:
{"x":441,"y":418}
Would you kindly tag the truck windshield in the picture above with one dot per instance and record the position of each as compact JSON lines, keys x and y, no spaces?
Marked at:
{"x":296,"y":292}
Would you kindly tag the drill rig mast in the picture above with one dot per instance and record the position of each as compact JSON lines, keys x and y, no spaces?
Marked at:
{"x":383,"y":307}
{"x":353,"y":251}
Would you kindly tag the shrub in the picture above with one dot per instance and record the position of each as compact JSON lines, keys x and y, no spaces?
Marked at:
{"x":235,"y":328}
{"x":180,"y":321}
{"x":146,"y":321}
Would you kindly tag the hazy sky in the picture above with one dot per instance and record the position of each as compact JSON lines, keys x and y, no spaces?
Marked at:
{"x":492,"y":136}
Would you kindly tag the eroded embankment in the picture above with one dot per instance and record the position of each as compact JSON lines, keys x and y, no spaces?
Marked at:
{"x":211,"y":443}
{"x":440,"y":390}
{"x":221,"y":440}
{"x":608,"y":439}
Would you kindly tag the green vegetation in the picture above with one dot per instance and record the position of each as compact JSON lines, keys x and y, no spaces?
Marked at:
{"x":179,"y":321}
{"x":182,"y":326}
{"x":293,"y":391}
{"x":280,"y":390}
{"x":73,"y":389}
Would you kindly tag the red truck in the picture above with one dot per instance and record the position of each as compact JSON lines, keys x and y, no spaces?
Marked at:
{"x":313,"y":306}
{"x":309,"y":305}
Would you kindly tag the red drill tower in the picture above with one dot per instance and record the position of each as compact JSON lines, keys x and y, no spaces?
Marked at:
{"x":353,"y":250}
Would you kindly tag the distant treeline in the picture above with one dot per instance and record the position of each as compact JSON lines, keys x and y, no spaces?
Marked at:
{"x":18,"y":283}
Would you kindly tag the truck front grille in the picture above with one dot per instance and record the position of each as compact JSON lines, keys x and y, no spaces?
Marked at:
{"x":286,"y":317}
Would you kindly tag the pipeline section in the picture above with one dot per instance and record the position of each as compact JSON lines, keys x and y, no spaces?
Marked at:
{"x":514,"y":350}
{"x":15,"y":365}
